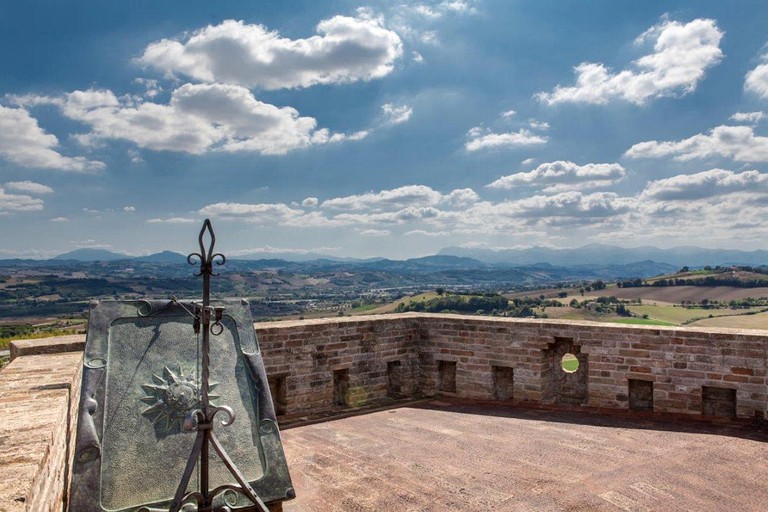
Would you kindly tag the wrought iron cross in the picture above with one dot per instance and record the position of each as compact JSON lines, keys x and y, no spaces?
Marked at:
{"x":202,"y":419}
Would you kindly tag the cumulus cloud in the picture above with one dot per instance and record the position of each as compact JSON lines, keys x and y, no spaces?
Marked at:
{"x":396,"y":114}
{"x":24,"y":143}
{"x":748,"y":117}
{"x":346,"y":49}
{"x":508,"y":114}
{"x":259,"y":213}
{"x":309,"y":202}
{"x":756,"y":80}
{"x":129,"y":208}
{"x":528,"y":161}
{"x":572,"y":205}
{"x":564,"y":175}
{"x":480,"y":138}
{"x":461,"y":197}
{"x":29,"y":187}
{"x":198,"y":118}
{"x":737,"y":142}
{"x":681,"y":55}
{"x":13,"y":203}
{"x":409,"y":196}
{"x":706,"y":184}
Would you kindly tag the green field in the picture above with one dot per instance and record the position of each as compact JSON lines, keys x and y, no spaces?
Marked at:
{"x":677,"y":315}
{"x":640,"y":321}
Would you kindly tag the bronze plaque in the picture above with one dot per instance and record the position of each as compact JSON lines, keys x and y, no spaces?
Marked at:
{"x":141,"y":378}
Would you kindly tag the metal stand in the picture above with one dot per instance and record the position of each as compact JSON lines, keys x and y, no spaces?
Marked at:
{"x":202,"y":419}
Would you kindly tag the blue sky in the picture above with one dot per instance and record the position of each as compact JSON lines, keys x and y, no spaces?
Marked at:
{"x":382,"y":128}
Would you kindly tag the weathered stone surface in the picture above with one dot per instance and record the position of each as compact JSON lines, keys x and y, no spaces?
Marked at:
{"x":38,"y":403}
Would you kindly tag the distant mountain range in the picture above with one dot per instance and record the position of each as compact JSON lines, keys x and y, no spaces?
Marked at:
{"x":646,"y":260}
{"x":600,"y":254}
{"x":104,"y":255}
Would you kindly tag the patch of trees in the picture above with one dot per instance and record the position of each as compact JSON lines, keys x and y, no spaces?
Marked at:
{"x":713,"y":280}
{"x":603,"y":305}
{"x":484,"y":304}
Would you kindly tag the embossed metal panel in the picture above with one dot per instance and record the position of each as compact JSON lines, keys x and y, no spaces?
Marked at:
{"x":141,"y":379}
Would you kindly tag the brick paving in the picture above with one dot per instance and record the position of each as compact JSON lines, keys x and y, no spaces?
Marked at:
{"x":450,"y":455}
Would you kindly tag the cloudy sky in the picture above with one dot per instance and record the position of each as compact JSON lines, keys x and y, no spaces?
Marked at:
{"x":382,"y":129}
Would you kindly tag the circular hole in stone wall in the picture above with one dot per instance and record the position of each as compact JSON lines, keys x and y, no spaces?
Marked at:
{"x":569,"y":363}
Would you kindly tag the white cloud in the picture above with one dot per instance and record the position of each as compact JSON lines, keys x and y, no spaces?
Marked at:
{"x":59,"y":219}
{"x":737,"y":142}
{"x":376,"y":232}
{"x":528,"y":161}
{"x":421,"y":232}
{"x":396,"y":114}
{"x":748,"y":117}
{"x":480,"y":138}
{"x":538,"y":125}
{"x":681,"y":55}
{"x":461,"y":197}
{"x":152,"y":86}
{"x":417,"y":57}
{"x":572,"y":205}
{"x":198,"y":118}
{"x":129,"y":208}
{"x":23,"y":142}
{"x":706,"y":184}
{"x":410,"y":195}
{"x":508,"y":114}
{"x":12,"y":203}
{"x":756,"y":80}
{"x":309,"y":202}
{"x":437,"y":10}
{"x":29,"y":186}
{"x":346,"y":49}
{"x":564,"y":175}
{"x":171,"y":220}
{"x":262,"y":213}
{"x":397,"y":201}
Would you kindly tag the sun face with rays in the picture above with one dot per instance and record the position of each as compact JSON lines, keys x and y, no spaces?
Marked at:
{"x":171,"y":397}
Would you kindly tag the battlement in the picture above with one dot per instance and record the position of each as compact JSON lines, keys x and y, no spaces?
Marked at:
{"x":320,"y":366}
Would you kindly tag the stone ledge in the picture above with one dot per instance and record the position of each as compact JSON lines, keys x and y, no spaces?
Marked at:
{"x":54,"y":345}
{"x":39,"y":396}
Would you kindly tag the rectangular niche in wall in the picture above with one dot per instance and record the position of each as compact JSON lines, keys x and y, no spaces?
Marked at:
{"x":394,"y":379}
{"x":503,"y":382}
{"x":718,"y":401}
{"x":341,"y":387}
{"x":640,"y":395}
{"x":278,"y":388}
{"x":446,"y":376}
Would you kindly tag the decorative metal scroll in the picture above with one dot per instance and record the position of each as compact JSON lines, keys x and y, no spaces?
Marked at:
{"x":154,"y":402}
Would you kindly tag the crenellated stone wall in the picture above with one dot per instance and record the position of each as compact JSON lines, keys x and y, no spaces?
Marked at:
{"x":326,"y":365}
{"x":664,"y":369}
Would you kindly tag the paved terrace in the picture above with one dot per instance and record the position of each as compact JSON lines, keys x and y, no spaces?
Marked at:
{"x":458,"y":455}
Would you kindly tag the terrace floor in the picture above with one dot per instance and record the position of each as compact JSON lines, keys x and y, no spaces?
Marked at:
{"x":452,"y":455}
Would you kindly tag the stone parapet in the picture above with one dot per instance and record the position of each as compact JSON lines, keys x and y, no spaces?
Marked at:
{"x":325,"y":365}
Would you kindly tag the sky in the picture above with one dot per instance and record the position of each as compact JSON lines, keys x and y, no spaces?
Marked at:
{"x":382,"y":128}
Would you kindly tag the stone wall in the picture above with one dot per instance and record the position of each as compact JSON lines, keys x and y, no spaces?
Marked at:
{"x":325,"y":363}
{"x":39,"y":396}
{"x":317,"y":366}
{"x":663,"y":369}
